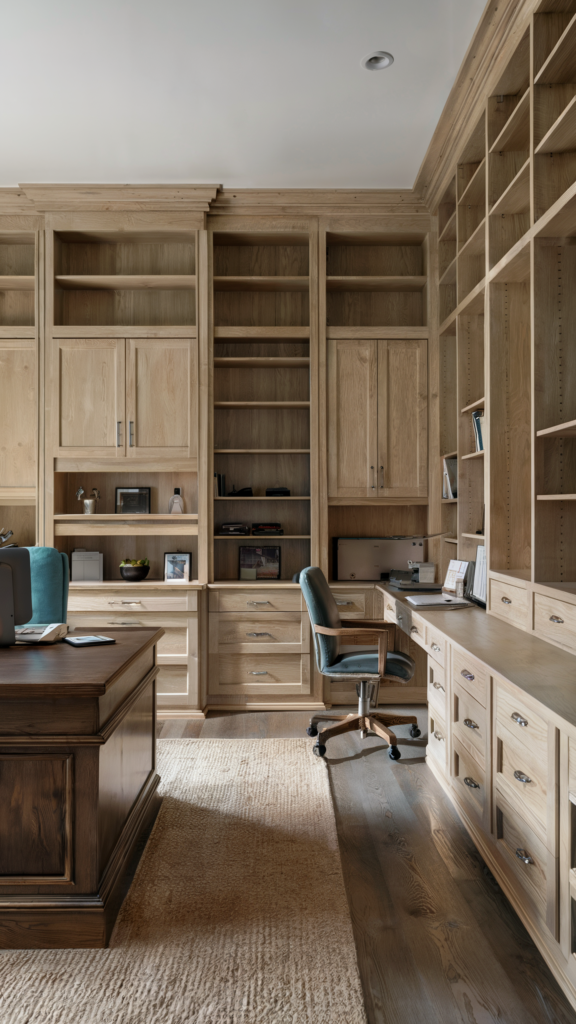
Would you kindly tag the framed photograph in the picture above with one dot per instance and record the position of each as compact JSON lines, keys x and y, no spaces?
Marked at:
{"x":259,"y":563}
{"x":133,"y":501}
{"x":177,"y":566}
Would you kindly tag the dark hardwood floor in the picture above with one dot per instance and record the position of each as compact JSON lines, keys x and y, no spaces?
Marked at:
{"x":437,"y":940}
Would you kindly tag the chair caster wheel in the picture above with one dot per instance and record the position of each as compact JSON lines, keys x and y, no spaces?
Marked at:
{"x":312,"y":730}
{"x":394,"y":754}
{"x":415,"y":731}
{"x":319,"y":749}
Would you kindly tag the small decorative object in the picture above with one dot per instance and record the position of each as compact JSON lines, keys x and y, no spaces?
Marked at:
{"x":259,"y":563}
{"x":133,"y":501}
{"x":5,"y":535}
{"x":176,"y":503}
{"x":134,"y":571}
{"x":234,"y":530}
{"x":177,"y":566}
{"x":88,"y":503}
{"x":87,"y":566}
{"x":244,"y":492}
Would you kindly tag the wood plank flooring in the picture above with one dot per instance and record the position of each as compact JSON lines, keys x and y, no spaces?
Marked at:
{"x":437,"y":940}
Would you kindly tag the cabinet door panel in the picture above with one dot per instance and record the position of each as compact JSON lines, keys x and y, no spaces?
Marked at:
{"x":18,"y":413}
{"x":160,"y":396}
{"x":352,"y":418}
{"x":402,"y":419}
{"x":91,"y":397}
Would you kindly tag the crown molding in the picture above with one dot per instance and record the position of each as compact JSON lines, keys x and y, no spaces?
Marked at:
{"x":44,"y":198}
{"x":312,"y":202}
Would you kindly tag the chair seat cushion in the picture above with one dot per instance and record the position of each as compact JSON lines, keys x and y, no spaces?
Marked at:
{"x":397,"y":664}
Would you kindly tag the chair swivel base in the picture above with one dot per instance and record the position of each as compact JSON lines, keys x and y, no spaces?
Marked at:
{"x":365,"y":721}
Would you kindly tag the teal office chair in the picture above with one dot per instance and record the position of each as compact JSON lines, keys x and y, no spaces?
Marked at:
{"x":369,"y":669}
{"x":50,"y":578}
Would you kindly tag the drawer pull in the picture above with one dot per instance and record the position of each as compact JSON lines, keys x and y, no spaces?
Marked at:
{"x":389,"y":608}
{"x":467,"y":675}
{"x":556,"y":618}
{"x":124,"y":602}
{"x":258,"y":673}
{"x":470,"y":724}
{"x":435,"y":648}
{"x":257,"y":602}
{"x":346,"y":603}
{"x":522,"y":777}
{"x":470,"y":782}
{"x":438,"y":686}
{"x":506,"y":600}
{"x":258,"y":634}
{"x":438,"y":736}
{"x":413,"y":629}
{"x":119,"y":622}
{"x":516,"y":717}
{"x":522,"y":855}
{"x":400,"y":618}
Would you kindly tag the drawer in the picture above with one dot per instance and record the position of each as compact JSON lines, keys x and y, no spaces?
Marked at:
{"x":525,"y":854}
{"x":469,"y":779}
{"x":436,"y":645}
{"x":522,"y":722}
{"x":92,"y":601}
{"x":256,"y":600}
{"x":556,"y":620}
{"x":259,"y":674}
{"x":175,"y":642}
{"x":471,"y":674}
{"x":521,"y":778}
{"x":417,"y":630}
{"x":352,"y":605}
{"x":470,"y":724}
{"x":177,"y":685}
{"x":245,"y":633}
{"x":509,"y":603}
{"x":437,"y":687}
{"x":437,"y":738}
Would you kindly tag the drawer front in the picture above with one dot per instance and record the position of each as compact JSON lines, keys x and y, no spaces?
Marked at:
{"x":509,"y":603}
{"x":555,"y":620}
{"x":525,"y":854}
{"x":521,"y":780}
{"x":259,"y":674}
{"x":352,"y":604}
{"x":436,"y":645}
{"x":525,"y":725}
{"x":437,"y":687}
{"x":174,"y":644}
{"x":418,"y":630}
{"x":133,"y":602}
{"x":470,"y":674}
{"x":437,"y":738}
{"x":408,"y":621}
{"x":256,"y":600}
{"x":177,"y":685}
{"x":469,"y":780}
{"x":470,"y":724}
{"x":244,"y":633}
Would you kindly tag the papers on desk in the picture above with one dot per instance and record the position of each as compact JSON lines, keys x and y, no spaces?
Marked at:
{"x":456,"y":571}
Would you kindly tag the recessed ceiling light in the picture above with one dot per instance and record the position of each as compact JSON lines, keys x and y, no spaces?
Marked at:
{"x":377,"y":61}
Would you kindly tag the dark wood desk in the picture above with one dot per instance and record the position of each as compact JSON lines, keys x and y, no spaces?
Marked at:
{"x":77,"y":784}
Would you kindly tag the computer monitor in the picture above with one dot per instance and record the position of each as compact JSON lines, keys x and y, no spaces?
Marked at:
{"x":15,"y":592}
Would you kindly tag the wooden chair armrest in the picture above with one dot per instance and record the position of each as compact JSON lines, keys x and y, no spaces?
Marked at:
{"x":357,"y":636}
{"x":368,"y":624}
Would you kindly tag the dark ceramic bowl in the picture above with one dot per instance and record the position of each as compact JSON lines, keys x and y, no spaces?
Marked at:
{"x":134,"y":573}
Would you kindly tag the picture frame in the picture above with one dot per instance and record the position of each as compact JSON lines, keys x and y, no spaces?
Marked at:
{"x":177,"y":566}
{"x":259,"y":563}
{"x":132,"y":501}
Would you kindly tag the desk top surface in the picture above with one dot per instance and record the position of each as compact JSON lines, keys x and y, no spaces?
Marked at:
{"x":60,"y":670}
{"x":542,"y":670}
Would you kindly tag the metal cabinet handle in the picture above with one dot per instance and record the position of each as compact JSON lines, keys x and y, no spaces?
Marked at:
{"x":118,"y":431}
{"x":438,"y":736}
{"x":470,"y":782}
{"x":382,"y":475}
{"x":131,"y":434}
{"x":400,"y":618}
{"x":373,"y":484}
{"x":522,"y":777}
{"x":470,"y":724}
{"x":506,"y":600}
{"x":467,"y":675}
{"x":258,"y":634}
{"x":257,"y":602}
{"x":344,"y":603}
{"x":556,"y":618}
{"x":522,"y":855}
{"x":435,"y":648}
{"x":124,"y":602}
{"x":118,"y":622}
{"x":257,"y":673}
{"x":516,"y":717}
{"x":438,"y":686}
{"x":413,"y":629}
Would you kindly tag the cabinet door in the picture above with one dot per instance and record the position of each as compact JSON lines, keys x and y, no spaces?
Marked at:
{"x":352,"y":419}
{"x":402,"y":419}
{"x":161,"y":397}
{"x":17,"y":414}
{"x":91,"y":398}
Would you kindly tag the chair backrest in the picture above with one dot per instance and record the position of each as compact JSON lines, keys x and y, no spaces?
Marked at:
{"x":50,"y":579}
{"x":323,"y":611}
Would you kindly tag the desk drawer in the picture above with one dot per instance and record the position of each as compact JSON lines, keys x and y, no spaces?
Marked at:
{"x":525,"y":854}
{"x":470,"y":673}
{"x":418,"y":630}
{"x":437,"y":738}
{"x":174,"y":643}
{"x":525,"y":725}
{"x":437,"y":687}
{"x":469,"y":724}
{"x":469,"y":779}
{"x":436,"y":645}
{"x":556,"y":620}
{"x":509,"y":602}
{"x":117,"y":601}
{"x":521,"y":778}
{"x":244,"y":633}
{"x":352,"y":604}
{"x":259,"y":674}
{"x":255,"y":600}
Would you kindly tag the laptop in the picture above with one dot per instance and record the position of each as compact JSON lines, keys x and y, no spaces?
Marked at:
{"x":437,"y":601}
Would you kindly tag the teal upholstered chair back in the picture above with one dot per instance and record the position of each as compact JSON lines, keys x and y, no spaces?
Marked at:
{"x":323,"y":611}
{"x":49,"y":572}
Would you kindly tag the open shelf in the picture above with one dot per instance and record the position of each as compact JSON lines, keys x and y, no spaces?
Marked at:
{"x":399,"y":283}
{"x":474,"y":193}
{"x":449,"y":232}
{"x":561,"y":137}
{"x":125,"y":526}
{"x":556,"y":497}
{"x":473,"y":536}
{"x":449,"y":275}
{"x":560,"y":430}
{"x":274,"y":538}
{"x":473,"y":455}
{"x":261,"y":405}
{"x":450,"y":455}
{"x":122,"y":282}
{"x":263,"y":497}
{"x":273,"y":362}
{"x":514,"y":266}
{"x":450,"y":540}
{"x":476,"y":244}
{"x":261,"y":451}
{"x":516,"y":197}
{"x":250,"y":334}
{"x":449,"y":501}
{"x":560,"y":65}
{"x":261,"y":284}
{"x":478,"y":404}
{"x":515,"y":135}
{"x":16,"y":283}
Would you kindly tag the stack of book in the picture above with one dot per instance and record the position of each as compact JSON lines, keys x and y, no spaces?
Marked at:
{"x":267,"y":529}
{"x":478,"y":425}
{"x":450,"y":478}
{"x":219,"y":485}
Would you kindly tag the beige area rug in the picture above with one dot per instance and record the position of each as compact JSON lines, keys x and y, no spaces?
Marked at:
{"x":237,"y":913}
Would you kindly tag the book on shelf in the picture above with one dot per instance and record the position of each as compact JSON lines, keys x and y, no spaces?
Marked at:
{"x":450,"y":478}
{"x":478,"y":425}
{"x":479,"y":589}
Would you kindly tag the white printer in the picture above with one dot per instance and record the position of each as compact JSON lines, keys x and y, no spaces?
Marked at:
{"x":87,"y":566}
{"x":372,"y":558}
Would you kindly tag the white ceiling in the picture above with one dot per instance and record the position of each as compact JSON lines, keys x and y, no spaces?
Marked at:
{"x":247,"y":93}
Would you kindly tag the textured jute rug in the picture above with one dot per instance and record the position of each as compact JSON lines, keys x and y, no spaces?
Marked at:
{"x":237,"y":913}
